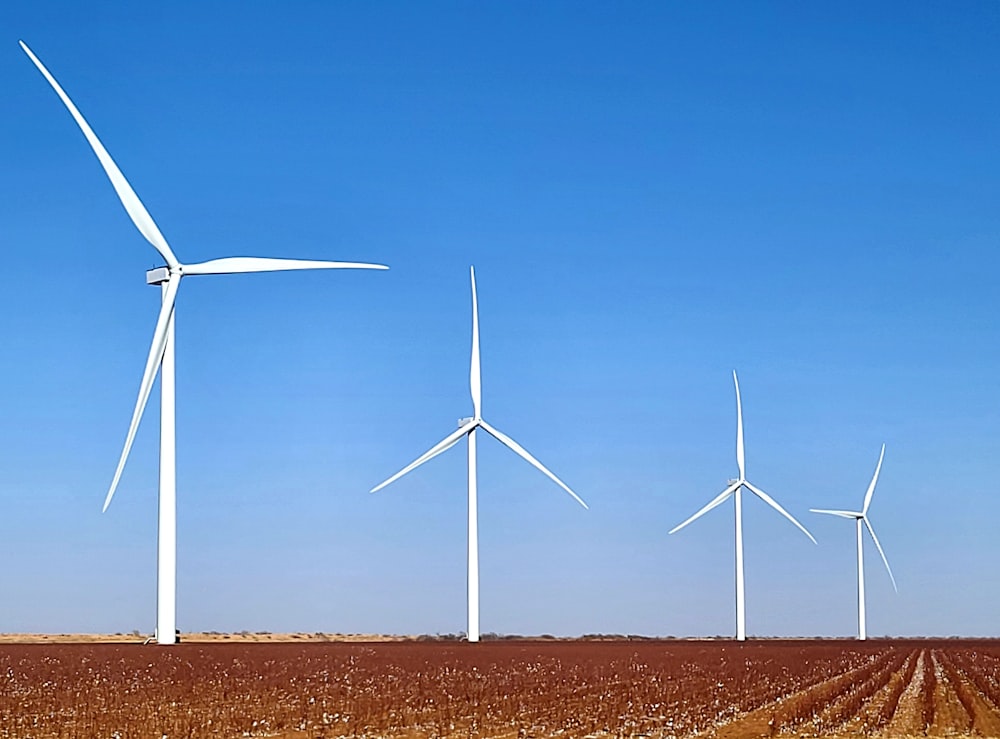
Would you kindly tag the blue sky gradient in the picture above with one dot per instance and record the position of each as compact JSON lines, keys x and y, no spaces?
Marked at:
{"x":653,"y":194}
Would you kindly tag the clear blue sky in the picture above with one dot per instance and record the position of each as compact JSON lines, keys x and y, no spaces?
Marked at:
{"x":653,"y":194}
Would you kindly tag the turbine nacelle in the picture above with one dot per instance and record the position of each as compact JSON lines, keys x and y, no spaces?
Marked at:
{"x":159,"y":275}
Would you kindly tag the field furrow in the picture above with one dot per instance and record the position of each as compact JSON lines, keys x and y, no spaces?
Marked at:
{"x":950,"y":716}
{"x":909,"y":717}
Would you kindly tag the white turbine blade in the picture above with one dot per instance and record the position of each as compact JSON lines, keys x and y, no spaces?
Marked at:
{"x":475,"y":372}
{"x":740,"y":455}
{"x":774,"y":504}
{"x":148,"y":376}
{"x":133,"y":206}
{"x":526,"y":456}
{"x":716,"y":501}
{"x":442,"y":446}
{"x":879,"y":547}
{"x":842,"y":514}
{"x":871,"y":486}
{"x":238,"y":265}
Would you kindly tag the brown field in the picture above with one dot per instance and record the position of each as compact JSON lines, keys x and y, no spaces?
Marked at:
{"x":503,"y":689}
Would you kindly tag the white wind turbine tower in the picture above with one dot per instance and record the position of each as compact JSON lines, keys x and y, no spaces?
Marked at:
{"x":735,"y":489}
{"x":862,"y":517}
{"x":161,"y":356}
{"x":467,"y":427}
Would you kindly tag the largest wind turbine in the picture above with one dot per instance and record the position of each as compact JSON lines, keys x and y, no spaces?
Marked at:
{"x":467,"y":428}
{"x":161,"y":356}
{"x":735,"y":489}
{"x":859,"y":518}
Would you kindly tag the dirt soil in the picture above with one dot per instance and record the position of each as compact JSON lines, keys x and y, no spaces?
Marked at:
{"x":311,"y":686}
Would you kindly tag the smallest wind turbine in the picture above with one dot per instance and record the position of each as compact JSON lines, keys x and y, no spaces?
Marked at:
{"x":862,"y":517}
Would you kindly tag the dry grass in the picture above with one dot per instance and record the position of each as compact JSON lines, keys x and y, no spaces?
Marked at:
{"x":204,"y":637}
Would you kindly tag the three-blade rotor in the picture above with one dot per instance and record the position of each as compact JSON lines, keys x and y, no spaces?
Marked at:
{"x":477,"y":421}
{"x":742,"y":480}
{"x":176,"y":270}
{"x":862,"y":515}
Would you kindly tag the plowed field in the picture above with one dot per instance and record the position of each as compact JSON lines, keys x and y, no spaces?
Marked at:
{"x":504,"y":689}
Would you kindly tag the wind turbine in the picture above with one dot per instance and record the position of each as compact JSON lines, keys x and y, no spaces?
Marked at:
{"x":735,"y":489}
{"x":467,"y":428}
{"x":859,"y":518}
{"x":161,"y":355}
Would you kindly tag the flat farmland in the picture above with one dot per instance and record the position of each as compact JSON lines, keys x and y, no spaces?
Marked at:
{"x":503,"y":689}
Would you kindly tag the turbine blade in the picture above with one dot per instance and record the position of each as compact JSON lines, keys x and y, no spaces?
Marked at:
{"x":442,"y":446}
{"x":716,"y":501}
{"x":842,"y":514}
{"x":740,"y":455}
{"x":475,"y":372}
{"x":133,"y":206}
{"x":148,"y":377}
{"x":871,"y":486}
{"x":239,"y":265}
{"x":879,"y":547}
{"x":526,"y":456}
{"x":774,"y":504}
